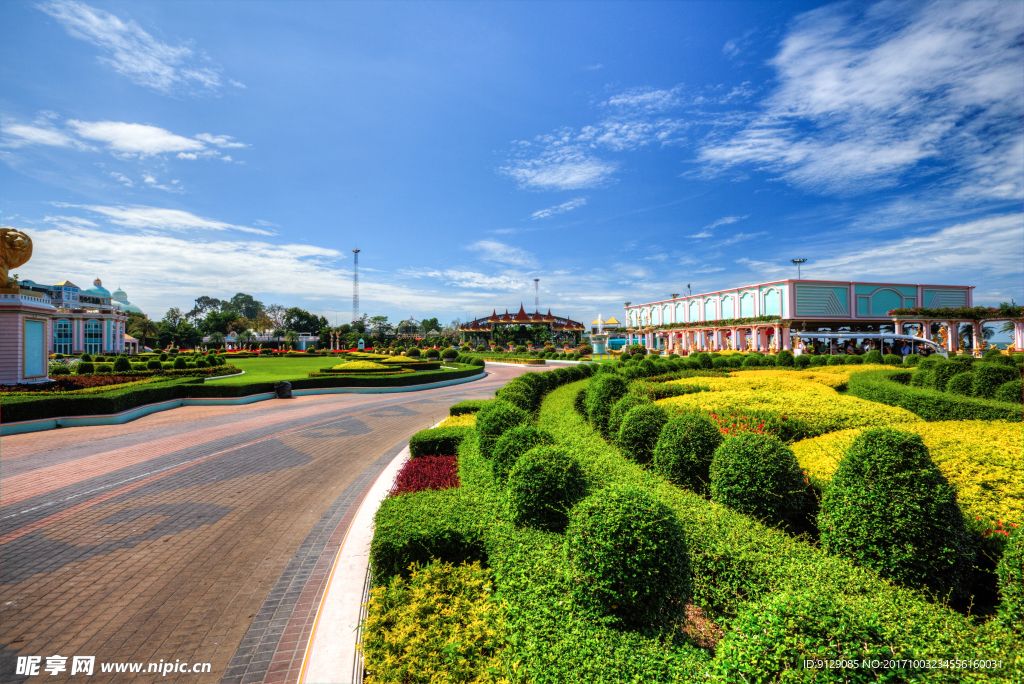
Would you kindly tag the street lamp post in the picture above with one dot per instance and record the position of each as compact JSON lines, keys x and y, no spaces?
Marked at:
{"x":798,"y":262}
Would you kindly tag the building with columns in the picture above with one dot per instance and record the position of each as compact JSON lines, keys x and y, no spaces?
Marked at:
{"x":82,"y":321}
{"x":768,"y":316}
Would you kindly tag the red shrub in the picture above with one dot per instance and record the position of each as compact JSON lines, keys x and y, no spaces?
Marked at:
{"x":427,"y":472}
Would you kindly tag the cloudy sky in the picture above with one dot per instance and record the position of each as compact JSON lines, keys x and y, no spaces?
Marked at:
{"x":618,"y":151}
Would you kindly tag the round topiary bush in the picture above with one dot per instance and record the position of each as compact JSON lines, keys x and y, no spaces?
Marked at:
{"x":543,"y":485}
{"x":892,"y":360}
{"x":604,"y":391}
{"x":413,"y":352}
{"x":202,"y":363}
{"x":431,"y":353}
{"x":911,"y":360}
{"x":621,"y":408}
{"x":802,"y":361}
{"x":638,"y":434}
{"x":520,"y":349}
{"x":449,"y":353}
{"x":770,"y":640}
{"x":989,"y":377}
{"x":751,"y":361}
{"x":85,"y":367}
{"x":179,"y":363}
{"x":720,"y":362}
{"x":704,"y":360}
{"x":59,"y":369}
{"x":757,"y":475}
{"x":167,"y":366}
{"x":854,"y":360}
{"x":819,"y":360}
{"x":513,"y":444}
{"x":476,"y":361}
{"x":784,"y":358}
{"x":1011,"y":392}
{"x":889,"y":508}
{"x":836,"y":360}
{"x":104,"y":367}
{"x":85,"y":357}
{"x":495,"y":419}
{"x":627,"y":556}
{"x":685,"y":448}
{"x":873,"y":356}
{"x":928,"y":362}
{"x":122,"y":365}
{"x":962,"y":384}
{"x":1011,"y":582}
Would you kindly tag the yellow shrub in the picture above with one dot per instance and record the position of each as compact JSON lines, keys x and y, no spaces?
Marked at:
{"x":466,"y":419}
{"x":439,"y":626}
{"x":789,"y":393}
{"x":360,"y":365}
{"x":981,"y":458}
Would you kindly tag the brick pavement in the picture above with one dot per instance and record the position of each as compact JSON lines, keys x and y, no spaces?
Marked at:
{"x":199,"y":534}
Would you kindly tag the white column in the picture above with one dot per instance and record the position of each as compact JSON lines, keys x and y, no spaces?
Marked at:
{"x":951,"y":336}
{"x":786,"y":340}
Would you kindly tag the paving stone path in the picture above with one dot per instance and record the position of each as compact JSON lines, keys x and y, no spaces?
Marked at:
{"x":196,"y":535}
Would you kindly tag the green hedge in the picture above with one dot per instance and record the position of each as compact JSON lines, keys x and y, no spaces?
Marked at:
{"x":438,"y":441}
{"x":894,"y":388}
{"x":468,"y":406}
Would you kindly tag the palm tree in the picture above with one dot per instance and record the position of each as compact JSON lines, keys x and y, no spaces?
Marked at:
{"x":144,"y":328}
{"x":292,"y":338}
{"x":245,"y":337}
{"x":216,"y":338}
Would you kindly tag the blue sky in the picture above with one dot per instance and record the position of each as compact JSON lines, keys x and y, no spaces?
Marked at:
{"x":618,"y":151}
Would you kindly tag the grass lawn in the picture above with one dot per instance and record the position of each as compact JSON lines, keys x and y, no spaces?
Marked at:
{"x":275,"y":370}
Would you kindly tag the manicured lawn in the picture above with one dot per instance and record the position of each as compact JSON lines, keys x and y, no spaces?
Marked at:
{"x":274,"y":370}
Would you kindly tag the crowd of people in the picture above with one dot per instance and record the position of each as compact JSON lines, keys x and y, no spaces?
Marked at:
{"x":850,"y":347}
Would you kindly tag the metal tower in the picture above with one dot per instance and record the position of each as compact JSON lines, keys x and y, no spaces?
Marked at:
{"x":355,"y":285}
{"x":536,"y":294}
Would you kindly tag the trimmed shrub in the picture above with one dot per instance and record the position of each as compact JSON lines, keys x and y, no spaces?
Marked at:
{"x":890,"y":509}
{"x":758,"y":475}
{"x":202,"y":363}
{"x":622,"y":407}
{"x":85,"y":357}
{"x":179,"y":363}
{"x":627,"y":556}
{"x":494,"y":420}
{"x":602,"y":394}
{"x":476,"y":361}
{"x":988,"y":377}
{"x":928,"y":403}
{"x":836,"y":360}
{"x":854,"y":360}
{"x":873,"y":356}
{"x":1011,"y":582}
{"x":751,"y":361}
{"x":441,"y":624}
{"x":468,"y":406}
{"x":999,"y":359}
{"x":929,"y":362}
{"x":638,"y":435}
{"x":60,"y":369}
{"x":439,"y":441}
{"x":1011,"y":392}
{"x":771,"y":640}
{"x":449,"y":354}
{"x":685,"y":448}
{"x":85,"y":367}
{"x":431,"y":353}
{"x":720,"y":362}
{"x":167,"y":366}
{"x":413,"y":352}
{"x":579,"y":402}
{"x":818,"y":361}
{"x":911,"y":360}
{"x":513,"y":444}
{"x":784,"y":358}
{"x":427,"y":472}
{"x":944,"y":370}
{"x":520,"y":349}
{"x":481,"y":347}
{"x":122,"y":365}
{"x":962,"y":384}
{"x":892,"y":360}
{"x":704,"y":360}
{"x":543,"y":485}
{"x":802,"y":361}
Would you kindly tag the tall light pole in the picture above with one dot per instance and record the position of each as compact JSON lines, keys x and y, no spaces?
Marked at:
{"x":798,"y":262}
{"x":536,"y":294}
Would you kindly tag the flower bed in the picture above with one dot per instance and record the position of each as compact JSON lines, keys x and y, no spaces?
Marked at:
{"x":427,"y":472}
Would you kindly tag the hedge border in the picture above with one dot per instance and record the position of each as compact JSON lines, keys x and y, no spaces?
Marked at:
{"x":892,"y":387}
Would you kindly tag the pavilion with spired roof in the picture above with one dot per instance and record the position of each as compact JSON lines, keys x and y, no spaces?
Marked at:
{"x":522,"y":328}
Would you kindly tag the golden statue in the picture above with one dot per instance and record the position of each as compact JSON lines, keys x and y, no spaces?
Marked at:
{"x":15,"y":250}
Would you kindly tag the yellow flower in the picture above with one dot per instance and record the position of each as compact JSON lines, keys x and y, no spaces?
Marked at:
{"x":466,"y":419}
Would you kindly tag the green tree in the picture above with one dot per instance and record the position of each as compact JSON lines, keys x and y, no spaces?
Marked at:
{"x":302,"y":321}
{"x":188,"y":335}
{"x":218,"y":321}
{"x":379,"y":325}
{"x":174,"y":317}
{"x":216,"y":339}
{"x":291,"y":338}
{"x":143,"y":329}
{"x":428,"y":324}
{"x":245,"y":305}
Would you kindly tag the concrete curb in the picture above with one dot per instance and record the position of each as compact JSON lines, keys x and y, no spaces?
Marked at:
{"x":221,"y":377}
{"x":331,"y":655}
{"x":24,"y":426}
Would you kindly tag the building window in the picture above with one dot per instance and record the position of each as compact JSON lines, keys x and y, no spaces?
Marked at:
{"x":62,"y":337}
{"x":93,"y":337}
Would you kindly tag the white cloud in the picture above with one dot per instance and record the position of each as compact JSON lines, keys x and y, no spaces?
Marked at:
{"x":871,"y":94}
{"x":559,"y":209}
{"x":472,"y":279}
{"x":133,"y":52}
{"x":17,"y":135}
{"x":135,"y":139}
{"x":560,"y":167}
{"x":237,"y":84}
{"x":261,"y":222}
{"x":724,"y":221}
{"x":120,"y":177}
{"x":152,"y":182}
{"x":647,"y":99}
{"x":498,"y":252}
{"x":220,"y":140}
{"x":157,"y":219}
{"x":701,"y":234}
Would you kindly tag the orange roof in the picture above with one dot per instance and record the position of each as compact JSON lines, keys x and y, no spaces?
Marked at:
{"x":522,"y":316}
{"x":506,"y":317}
{"x":475,"y":326}
{"x":549,"y":318}
{"x":494,"y":316}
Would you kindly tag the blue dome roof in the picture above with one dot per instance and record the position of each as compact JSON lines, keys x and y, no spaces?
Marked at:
{"x":133,"y":309}
{"x":97,"y":289}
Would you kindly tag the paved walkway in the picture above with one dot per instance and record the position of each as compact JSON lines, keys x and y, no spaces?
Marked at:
{"x":197,"y":535}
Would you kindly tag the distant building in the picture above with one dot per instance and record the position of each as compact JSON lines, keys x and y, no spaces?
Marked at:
{"x":91,"y":321}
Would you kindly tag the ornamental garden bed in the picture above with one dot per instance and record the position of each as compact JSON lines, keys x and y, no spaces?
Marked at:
{"x":600,"y":536}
